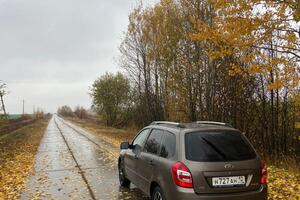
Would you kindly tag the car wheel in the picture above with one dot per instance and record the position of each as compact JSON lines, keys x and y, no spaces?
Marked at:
{"x":123,"y":180}
{"x":157,"y":194}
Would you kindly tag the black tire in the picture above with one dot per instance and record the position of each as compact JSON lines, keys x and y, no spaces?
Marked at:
{"x":124,"y":182}
{"x":157,"y":194}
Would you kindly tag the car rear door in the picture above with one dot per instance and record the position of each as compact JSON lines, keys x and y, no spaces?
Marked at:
{"x":132,"y":155}
{"x":221,"y":162}
{"x":147,"y":162}
{"x":167,"y":157}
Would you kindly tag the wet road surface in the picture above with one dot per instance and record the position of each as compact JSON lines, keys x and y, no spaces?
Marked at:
{"x":74,"y":164}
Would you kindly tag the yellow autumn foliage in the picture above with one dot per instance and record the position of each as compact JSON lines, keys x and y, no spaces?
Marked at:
{"x":283,"y":184}
{"x":17,"y":152}
{"x":261,"y":34}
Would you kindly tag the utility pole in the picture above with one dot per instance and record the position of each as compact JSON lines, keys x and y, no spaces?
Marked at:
{"x":23,"y":107}
{"x":3,"y":92}
{"x":3,"y":106}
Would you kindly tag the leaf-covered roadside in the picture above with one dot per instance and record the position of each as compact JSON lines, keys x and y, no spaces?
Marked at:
{"x":111,"y":135}
{"x":17,"y":152}
{"x":283,"y":183}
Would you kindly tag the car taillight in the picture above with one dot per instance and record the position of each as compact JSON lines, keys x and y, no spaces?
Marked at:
{"x":264,"y":173}
{"x":182,"y":175}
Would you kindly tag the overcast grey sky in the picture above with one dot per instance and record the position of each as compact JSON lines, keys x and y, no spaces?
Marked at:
{"x":52,"y":50}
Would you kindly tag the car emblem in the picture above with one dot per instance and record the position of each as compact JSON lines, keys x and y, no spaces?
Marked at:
{"x":228,"y":166}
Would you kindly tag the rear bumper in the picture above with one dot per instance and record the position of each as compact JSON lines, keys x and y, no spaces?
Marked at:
{"x":189,"y":194}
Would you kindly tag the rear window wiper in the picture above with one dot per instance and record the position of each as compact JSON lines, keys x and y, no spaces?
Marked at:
{"x":214,"y":148}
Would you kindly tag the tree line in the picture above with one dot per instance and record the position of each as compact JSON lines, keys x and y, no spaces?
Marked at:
{"x":231,"y":61}
{"x":67,"y":111}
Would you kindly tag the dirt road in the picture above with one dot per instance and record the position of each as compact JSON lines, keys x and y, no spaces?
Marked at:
{"x":74,"y":164}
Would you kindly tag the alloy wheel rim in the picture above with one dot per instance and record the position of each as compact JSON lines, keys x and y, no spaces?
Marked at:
{"x":157,"y":196}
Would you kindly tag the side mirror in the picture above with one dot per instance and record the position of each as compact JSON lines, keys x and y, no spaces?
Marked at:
{"x":124,"y":145}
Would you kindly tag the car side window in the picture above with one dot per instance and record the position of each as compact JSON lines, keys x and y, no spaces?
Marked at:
{"x":168,"y":146}
{"x":153,"y":142}
{"x":141,"y":138}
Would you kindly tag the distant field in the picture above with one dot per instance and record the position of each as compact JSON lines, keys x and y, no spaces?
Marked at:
{"x":15,"y":122}
{"x":17,"y":116}
{"x":14,"y":116}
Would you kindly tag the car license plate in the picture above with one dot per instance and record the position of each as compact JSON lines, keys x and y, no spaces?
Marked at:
{"x":228,"y":181}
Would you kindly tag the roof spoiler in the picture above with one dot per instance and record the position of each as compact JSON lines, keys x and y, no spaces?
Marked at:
{"x":168,"y":123}
{"x":214,"y":123}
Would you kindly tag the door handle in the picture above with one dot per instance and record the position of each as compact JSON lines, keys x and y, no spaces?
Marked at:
{"x":151,"y":162}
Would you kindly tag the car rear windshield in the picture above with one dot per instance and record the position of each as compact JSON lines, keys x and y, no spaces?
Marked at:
{"x":217,"y":146}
